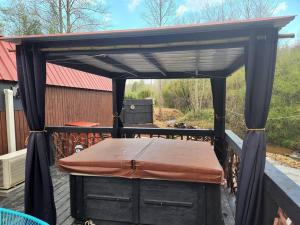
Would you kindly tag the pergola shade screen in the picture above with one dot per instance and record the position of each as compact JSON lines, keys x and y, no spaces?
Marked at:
{"x":186,"y":61}
{"x":199,"y":51}
{"x":39,"y":200}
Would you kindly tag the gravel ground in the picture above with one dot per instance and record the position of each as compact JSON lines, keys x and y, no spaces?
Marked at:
{"x":285,"y":160}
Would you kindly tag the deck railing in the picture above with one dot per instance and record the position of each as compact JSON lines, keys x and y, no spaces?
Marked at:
{"x":64,"y":139}
{"x":281,"y":194}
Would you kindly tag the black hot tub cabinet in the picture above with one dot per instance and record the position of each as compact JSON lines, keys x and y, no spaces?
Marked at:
{"x":146,"y":196}
{"x":114,"y":201}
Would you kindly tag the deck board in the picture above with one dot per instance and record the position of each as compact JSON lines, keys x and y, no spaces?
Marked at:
{"x":15,"y":199}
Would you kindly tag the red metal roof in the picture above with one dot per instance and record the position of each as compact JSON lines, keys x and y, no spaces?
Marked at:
{"x":56,"y":75}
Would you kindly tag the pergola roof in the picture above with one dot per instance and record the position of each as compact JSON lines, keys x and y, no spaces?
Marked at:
{"x":201,"y":50}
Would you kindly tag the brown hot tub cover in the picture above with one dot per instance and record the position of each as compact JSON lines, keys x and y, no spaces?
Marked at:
{"x":148,"y":158}
{"x":179,"y":160}
{"x":111,"y":157}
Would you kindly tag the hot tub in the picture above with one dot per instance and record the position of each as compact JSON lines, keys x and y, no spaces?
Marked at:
{"x":146,"y":181}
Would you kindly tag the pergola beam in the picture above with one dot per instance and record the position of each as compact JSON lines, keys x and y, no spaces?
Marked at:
{"x":238,"y":63}
{"x":115,"y":63}
{"x":76,"y":64}
{"x":153,"y":60}
{"x":56,"y":54}
{"x":175,"y":75}
{"x":174,"y":39}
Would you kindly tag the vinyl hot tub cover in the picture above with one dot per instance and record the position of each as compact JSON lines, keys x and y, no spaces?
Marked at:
{"x":148,"y":158}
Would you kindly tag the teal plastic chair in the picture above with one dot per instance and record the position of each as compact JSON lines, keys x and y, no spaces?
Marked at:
{"x":10,"y":217}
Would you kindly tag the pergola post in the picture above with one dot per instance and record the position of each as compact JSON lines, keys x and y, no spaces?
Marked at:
{"x":118,"y":87}
{"x":218,"y":86}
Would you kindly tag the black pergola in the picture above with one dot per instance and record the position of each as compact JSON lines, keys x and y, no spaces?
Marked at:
{"x":213,"y":50}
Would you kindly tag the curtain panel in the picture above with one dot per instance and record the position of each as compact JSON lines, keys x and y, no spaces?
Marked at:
{"x":31,"y":69}
{"x":260,"y":68}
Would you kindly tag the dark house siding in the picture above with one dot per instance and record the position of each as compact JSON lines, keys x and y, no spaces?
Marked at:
{"x":62,"y":105}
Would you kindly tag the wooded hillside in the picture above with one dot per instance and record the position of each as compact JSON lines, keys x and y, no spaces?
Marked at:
{"x":193,"y":98}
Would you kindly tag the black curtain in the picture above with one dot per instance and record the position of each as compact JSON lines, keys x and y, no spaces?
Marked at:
{"x":218,"y":87}
{"x":260,"y":67}
{"x":31,"y":69}
{"x":118,"y":98}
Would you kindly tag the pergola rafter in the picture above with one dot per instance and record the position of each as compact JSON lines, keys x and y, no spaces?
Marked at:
{"x":238,"y":63}
{"x":115,"y":63}
{"x":76,"y":64}
{"x":152,"y":59}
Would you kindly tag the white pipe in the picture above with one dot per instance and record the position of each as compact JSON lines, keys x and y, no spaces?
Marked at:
{"x":10,"y":120}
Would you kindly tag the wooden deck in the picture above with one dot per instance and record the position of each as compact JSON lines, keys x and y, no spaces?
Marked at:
{"x":14,"y":200}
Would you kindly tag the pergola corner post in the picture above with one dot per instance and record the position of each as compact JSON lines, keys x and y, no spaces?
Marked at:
{"x":218,"y":86}
{"x":118,"y":88}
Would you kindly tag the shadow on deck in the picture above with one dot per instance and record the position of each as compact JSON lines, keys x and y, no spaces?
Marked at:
{"x":15,"y":199}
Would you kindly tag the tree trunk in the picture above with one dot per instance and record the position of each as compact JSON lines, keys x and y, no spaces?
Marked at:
{"x":202,"y":94}
{"x":60,"y":17}
{"x":68,"y":13}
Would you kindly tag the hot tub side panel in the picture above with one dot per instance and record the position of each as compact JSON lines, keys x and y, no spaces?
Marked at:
{"x":103,"y":199}
{"x":76,"y":197}
{"x":121,"y":201}
{"x":168,"y":202}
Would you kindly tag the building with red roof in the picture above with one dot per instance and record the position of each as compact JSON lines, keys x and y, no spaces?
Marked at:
{"x":66,"y":96}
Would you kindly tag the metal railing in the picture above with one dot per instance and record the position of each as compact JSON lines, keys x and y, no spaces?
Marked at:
{"x":64,"y":139}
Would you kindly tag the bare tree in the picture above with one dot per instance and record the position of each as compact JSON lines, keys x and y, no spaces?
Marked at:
{"x":53,"y":16}
{"x":59,"y":16}
{"x":258,"y":8}
{"x":228,"y":10}
{"x":225,"y":10}
{"x":19,"y":19}
{"x":191,"y":18}
{"x":159,"y":12}
{"x":1,"y":28}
